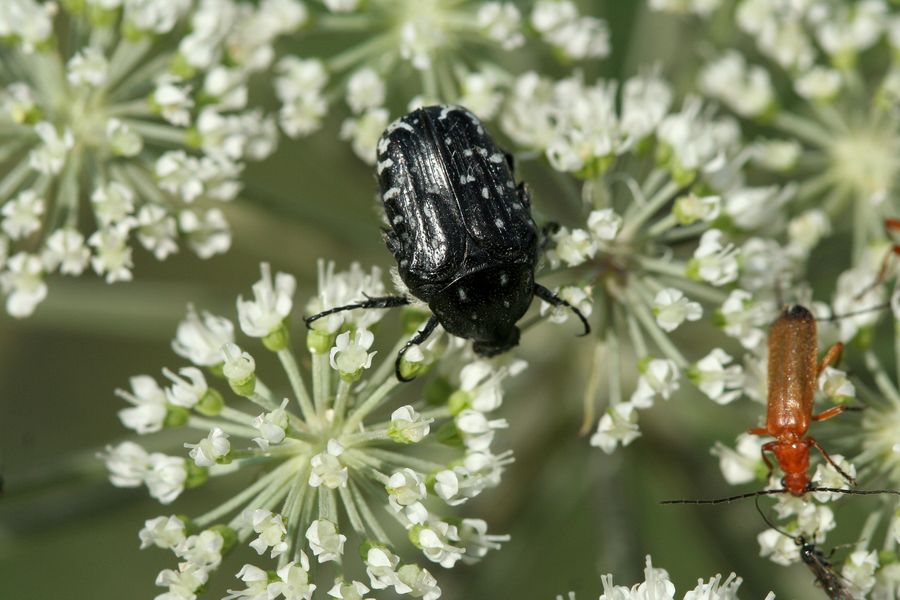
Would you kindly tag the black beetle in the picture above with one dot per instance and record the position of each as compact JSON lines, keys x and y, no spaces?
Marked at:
{"x":460,"y":228}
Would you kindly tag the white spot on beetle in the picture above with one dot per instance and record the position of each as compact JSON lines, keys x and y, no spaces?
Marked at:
{"x":480,"y":130}
{"x":506,"y":304}
{"x":462,"y":294}
{"x":447,"y":140}
{"x":517,"y":206}
{"x":482,"y":151}
{"x":485,"y":193}
{"x":466,"y":179}
{"x":391,"y":193}
{"x":385,"y":164}
{"x":510,"y":184}
{"x":446,"y":111}
{"x":499,"y":223}
{"x":496,"y":158}
{"x":399,"y":124}
{"x":467,"y":152}
{"x":383,"y":144}
{"x":397,"y":219}
{"x":504,"y":278}
{"x":474,"y":316}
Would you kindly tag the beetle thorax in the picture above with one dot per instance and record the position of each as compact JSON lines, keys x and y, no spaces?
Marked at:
{"x":793,"y":457}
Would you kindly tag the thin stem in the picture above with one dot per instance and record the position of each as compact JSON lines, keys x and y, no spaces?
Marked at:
{"x":370,"y":404}
{"x":279,"y":472}
{"x":367,"y":516}
{"x":204,"y":424}
{"x":803,"y":128}
{"x":321,"y":369}
{"x":353,"y":514}
{"x":290,"y":366}
{"x":664,"y":195}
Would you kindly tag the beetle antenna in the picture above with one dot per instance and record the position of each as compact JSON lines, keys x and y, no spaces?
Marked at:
{"x":855,"y":492}
{"x":728,"y":499}
{"x":768,"y":522}
{"x":854,"y":313}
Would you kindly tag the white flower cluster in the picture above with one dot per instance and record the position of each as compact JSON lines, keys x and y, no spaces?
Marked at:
{"x":658,"y":586}
{"x":144,"y":125}
{"x":421,"y":35}
{"x":327,"y":469}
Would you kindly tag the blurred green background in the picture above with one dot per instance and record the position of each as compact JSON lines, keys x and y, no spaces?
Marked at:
{"x":573,"y":512}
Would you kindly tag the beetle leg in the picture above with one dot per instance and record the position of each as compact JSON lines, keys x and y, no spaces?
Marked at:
{"x":768,"y":447}
{"x":376,"y":302}
{"x":812,"y":442}
{"x":510,"y":161}
{"x":831,"y":412}
{"x":758,"y":431}
{"x":417,"y":339}
{"x":831,"y":356}
{"x":547,"y":296}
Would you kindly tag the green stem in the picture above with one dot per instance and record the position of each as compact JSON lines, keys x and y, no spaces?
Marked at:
{"x":290,"y":366}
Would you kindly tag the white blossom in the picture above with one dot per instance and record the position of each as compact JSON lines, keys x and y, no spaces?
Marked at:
{"x":162,"y":532}
{"x":148,"y":412}
{"x":271,"y":304}
{"x":715,"y":378}
{"x":271,"y":426}
{"x":715,"y":261}
{"x":671,"y":308}
{"x":200,"y":339}
{"x":326,"y":468}
{"x":210,"y":449}
{"x":271,"y":529}
{"x":350,"y":358}
{"x":407,"y":426}
{"x":618,"y":425}
{"x":659,"y":377}
{"x":325,"y":541}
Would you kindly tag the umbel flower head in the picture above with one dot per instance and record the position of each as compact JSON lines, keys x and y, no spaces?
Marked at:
{"x":125,"y":121}
{"x":425,"y":51}
{"x":337,"y":466}
{"x":665,"y":205}
{"x":821,"y":81}
{"x":658,"y":586}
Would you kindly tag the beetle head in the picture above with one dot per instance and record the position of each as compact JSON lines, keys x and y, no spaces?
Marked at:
{"x":497,"y":346}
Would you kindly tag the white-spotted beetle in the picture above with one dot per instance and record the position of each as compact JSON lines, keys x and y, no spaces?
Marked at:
{"x":460,"y":228}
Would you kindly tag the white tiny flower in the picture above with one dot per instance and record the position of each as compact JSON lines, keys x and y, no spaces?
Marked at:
{"x":859,"y":572}
{"x":256,"y":581}
{"x":417,"y":582}
{"x":827,"y":476}
{"x":407,"y":426}
{"x":502,"y":22}
{"x":365,"y":90}
{"x":17,"y":101}
{"x":112,"y":202}
{"x":743,"y":318}
{"x":127,"y":464}
{"x":578,"y":37}
{"x":746,"y":89}
{"x":112,"y":254}
{"x":692,"y":208}
{"x":186,"y":393}
{"x":183,"y":583}
{"x":348,"y":358}
{"x":271,"y":425}
{"x":835,"y":384}
{"x":23,"y":282}
{"x":776,"y":155}
{"x":208,"y":232}
{"x":210,"y":449}
{"x":162,"y":532}
{"x":572,"y":247}
{"x":819,"y":83}
{"x":779,"y":548}
{"x":179,"y":174}
{"x":480,"y":94}
{"x":22,"y":214}
{"x":807,"y":229}
{"x":237,"y":365}
{"x":365,"y":131}
{"x":753,"y":207}
{"x":51,"y":156}
{"x":203,"y":549}
{"x":338,"y":289}
{"x":354,"y":590}
{"x":847,"y":300}
{"x":174,"y":103}
{"x":744,"y":462}
{"x":482,"y":382}
{"x":123,"y":140}
{"x":436,"y":542}
{"x":87,"y":67}
{"x":660,"y":377}
{"x":270,"y":306}
{"x":714,"y":260}
{"x":476,"y":429}
{"x":381,"y":566}
{"x":149,"y":411}
{"x":672,"y":308}
{"x":271,"y":529}
{"x":721,"y":383}
{"x":66,"y":249}
{"x":155,"y":229}
{"x":326,"y":468}
{"x":325,"y":541}
{"x":473,"y":536}
{"x":618,"y":425}
{"x":294,"y":584}
{"x":604,"y":224}
{"x":406,"y":489}
{"x":165,"y":477}
{"x":200,"y":340}
{"x":578,"y":297}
